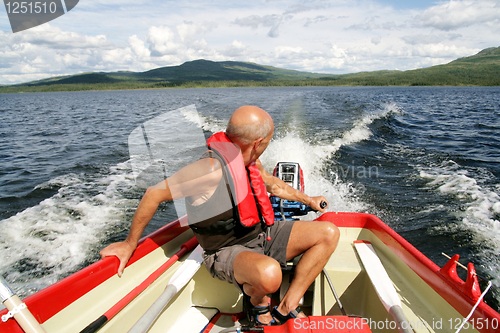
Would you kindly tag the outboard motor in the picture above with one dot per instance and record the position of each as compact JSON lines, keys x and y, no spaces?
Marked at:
{"x":290,"y":173}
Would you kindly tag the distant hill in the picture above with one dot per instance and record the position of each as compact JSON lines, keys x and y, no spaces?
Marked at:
{"x":482,"y":69}
{"x":197,"y":72}
{"x":205,"y":70}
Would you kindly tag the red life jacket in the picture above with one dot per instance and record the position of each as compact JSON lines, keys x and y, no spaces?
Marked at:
{"x":249,"y":191}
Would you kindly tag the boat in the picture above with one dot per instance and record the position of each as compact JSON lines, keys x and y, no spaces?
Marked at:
{"x":375,"y":281}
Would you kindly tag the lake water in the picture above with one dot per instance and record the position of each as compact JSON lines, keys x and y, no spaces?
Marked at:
{"x":424,"y":159}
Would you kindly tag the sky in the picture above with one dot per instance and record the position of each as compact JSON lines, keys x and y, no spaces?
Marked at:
{"x":322,"y":36}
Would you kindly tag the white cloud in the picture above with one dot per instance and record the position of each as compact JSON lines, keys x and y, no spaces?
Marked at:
{"x":320,"y":36}
{"x":288,"y":52}
{"x":188,"y":31}
{"x":47,"y":51}
{"x":237,"y":49}
{"x":318,"y":19}
{"x":256,"y":21}
{"x":161,"y":41}
{"x":139,"y":47}
{"x":454,"y":15}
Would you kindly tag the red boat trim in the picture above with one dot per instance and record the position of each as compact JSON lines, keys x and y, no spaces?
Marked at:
{"x":49,"y":301}
{"x":212,"y":323}
{"x":448,"y":288}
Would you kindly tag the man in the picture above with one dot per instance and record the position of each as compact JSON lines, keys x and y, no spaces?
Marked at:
{"x":248,"y":255}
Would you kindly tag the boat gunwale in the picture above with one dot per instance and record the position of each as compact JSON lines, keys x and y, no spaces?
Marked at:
{"x":81,"y":282}
{"x":424,"y":267}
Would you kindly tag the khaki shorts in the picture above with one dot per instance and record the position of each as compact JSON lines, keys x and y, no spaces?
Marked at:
{"x":220,"y":263}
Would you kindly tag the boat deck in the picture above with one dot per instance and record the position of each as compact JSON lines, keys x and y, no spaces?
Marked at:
{"x":429,"y":298}
{"x":426,"y":311}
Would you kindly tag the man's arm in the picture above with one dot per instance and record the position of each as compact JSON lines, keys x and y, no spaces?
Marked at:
{"x":197,"y":179}
{"x":145,"y":211}
{"x":279,"y":188}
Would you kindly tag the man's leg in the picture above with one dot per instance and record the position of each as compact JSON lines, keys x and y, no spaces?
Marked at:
{"x":260,"y":276}
{"x":316,"y":241}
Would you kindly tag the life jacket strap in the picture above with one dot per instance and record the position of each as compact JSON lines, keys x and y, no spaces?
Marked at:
{"x":217,"y":228}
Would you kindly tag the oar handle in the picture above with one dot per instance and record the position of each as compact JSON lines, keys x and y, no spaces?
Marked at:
{"x":181,"y":277}
{"x":403,"y":325}
{"x":382,"y":284}
{"x":18,"y":310}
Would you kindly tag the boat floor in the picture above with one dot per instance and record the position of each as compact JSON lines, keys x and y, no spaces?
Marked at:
{"x":207,"y":320}
{"x":212,"y":320}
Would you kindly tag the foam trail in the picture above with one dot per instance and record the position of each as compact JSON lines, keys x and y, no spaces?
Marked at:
{"x":291,"y":147}
{"x":361,"y":130}
{"x":46,"y":242}
{"x":482,"y":208}
{"x":203,"y":122}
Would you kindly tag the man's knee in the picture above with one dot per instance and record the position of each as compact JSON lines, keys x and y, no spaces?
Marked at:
{"x":330,"y":235}
{"x":262,"y":272}
{"x":270,"y":276}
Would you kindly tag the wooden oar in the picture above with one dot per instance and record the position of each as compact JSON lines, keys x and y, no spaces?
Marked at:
{"x":99,"y":322}
{"x":18,"y":310}
{"x":180,"y":278}
{"x":383,"y":284}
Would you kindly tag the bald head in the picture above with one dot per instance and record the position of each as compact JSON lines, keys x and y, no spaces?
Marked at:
{"x":249,"y":123}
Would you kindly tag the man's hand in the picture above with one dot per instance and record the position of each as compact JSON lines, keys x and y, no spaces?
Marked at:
{"x":315,"y":203}
{"x":122,"y":250}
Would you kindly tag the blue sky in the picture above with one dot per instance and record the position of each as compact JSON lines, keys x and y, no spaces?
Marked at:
{"x":326,"y":36}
